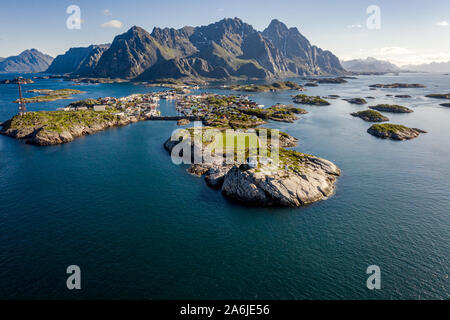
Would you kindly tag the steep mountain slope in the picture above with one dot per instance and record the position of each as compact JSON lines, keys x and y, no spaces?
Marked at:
{"x":77,"y":59}
{"x":28,"y":61}
{"x":131,"y":54}
{"x":229,"y":48}
{"x":369,"y":65}
{"x":302,"y":58}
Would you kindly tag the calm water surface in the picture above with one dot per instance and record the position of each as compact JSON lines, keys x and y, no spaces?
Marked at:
{"x":139,"y":227}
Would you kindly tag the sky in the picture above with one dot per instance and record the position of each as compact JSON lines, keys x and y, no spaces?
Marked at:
{"x":410,"y":32}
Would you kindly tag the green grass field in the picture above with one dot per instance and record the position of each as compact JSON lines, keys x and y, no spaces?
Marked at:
{"x":236,"y":140}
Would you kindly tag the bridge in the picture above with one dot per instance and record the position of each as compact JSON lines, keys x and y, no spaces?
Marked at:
{"x":174,"y":118}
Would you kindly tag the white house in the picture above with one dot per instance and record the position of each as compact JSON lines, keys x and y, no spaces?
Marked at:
{"x":99,"y":108}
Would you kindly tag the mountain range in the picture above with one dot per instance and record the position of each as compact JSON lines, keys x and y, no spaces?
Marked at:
{"x":226,"y":49}
{"x":369,"y":65}
{"x":29,"y":61}
{"x":429,"y":67}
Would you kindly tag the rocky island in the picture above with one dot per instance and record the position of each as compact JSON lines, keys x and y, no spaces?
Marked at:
{"x":370,"y":116}
{"x":397,"y":85}
{"x":294,"y":180}
{"x":16,"y":81}
{"x":337,"y":80}
{"x":393,"y":108}
{"x":439,"y":95}
{"x":394,"y":131}
{"x":356,"y":101}
{"x":445,"y":105}
{"x":46,"y":128}
{"x":310,"y":100}
{"x":276,"y":86}
{"x":80,"y":118}
{"x":47,"y":95}
{"x":278,"y":112}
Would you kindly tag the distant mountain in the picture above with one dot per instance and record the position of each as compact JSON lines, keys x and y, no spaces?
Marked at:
{"x":369,"y":65}
{"x":78,"y":60}
{"x":29,"y":61}
{"x":226,"y":49}
{"x":429,"y":67}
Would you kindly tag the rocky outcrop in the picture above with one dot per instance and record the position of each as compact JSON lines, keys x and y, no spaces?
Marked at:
{"x":299,"y":179}
{"x":16,"y":81}
{"x":356,"y":101}
{"x":282,"y":188}
{"x":439,"y":95}
{"x":36,"y":128}
{"x":391,"y":108}
{"x":397,"y":85}
{"x":310,"y":100}
{"x":370,"y":116}
{"x":78,"y":61}
{"x":394,"y":131}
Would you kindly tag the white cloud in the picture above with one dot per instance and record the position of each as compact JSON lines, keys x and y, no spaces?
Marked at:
{"x":354,"y":26}
{"x":394,"y":51}
{"x":113,"y":24}
{"x":106,"y":12}
{"x":443,"y":23}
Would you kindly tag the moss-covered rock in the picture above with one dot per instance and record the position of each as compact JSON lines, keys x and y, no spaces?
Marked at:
{"x":394,"y":131}
{"x":439,"y":95}
{"x":50,"y":95}
{"x":370,"y":116}
{"x":276,"y":86}
{"x":56,"y":127}
{"x":310,"y":100}
{"x":393,"y":108}
{"x":279,"y":112}
{"x":356,"y":101}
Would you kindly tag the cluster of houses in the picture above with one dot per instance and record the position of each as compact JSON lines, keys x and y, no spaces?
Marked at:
{"x":198,"y":105}
{"x":133,"y":105}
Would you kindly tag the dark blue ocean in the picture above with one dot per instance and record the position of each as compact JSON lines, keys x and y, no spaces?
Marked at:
{"x":140,"y":227}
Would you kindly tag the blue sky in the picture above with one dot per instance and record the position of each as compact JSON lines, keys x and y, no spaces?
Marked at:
{"x":411,"y":31}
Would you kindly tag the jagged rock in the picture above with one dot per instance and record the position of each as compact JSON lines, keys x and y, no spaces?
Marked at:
{"x":281,"y":188}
